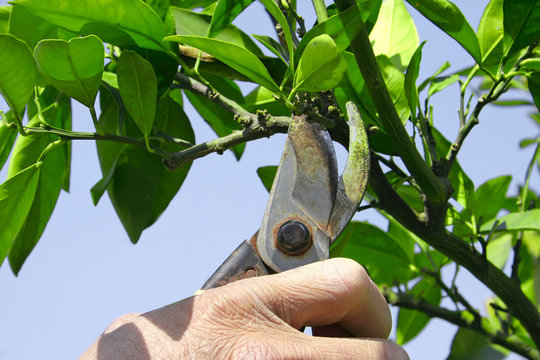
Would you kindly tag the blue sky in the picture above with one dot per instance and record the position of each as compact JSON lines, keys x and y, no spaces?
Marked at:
{"x":85,"y":272}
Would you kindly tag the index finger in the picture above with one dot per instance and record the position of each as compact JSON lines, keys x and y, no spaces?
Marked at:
{"x":335,"y":291}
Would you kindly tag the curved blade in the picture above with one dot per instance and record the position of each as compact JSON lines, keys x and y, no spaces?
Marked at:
{"x":316,"y":180}
{"x":304,"y":189}
{"x":353,"y":181}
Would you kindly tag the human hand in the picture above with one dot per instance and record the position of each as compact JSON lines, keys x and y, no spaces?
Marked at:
{"x":259,"y":318}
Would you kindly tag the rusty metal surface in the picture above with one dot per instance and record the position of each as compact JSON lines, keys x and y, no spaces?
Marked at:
{"x":244,"y":262}
{"x":304,"y":189}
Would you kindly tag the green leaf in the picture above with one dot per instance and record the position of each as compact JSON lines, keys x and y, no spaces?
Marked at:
{"x":382,"y":257}
{"x":439,"y":71}
{"x":394,"y":34}
{"x":490,"y":197}
{"x":224,"y":14}
{"x":192,"y":23}
{"x":531,"y":64}
{"x":470,"y":345}
{"x":30,"y":28}
{"x":394,"y":80}
{"x":5,"y":12}
{"x":141,"y":187}
{"x":219,"y":119}
{"x":411,"y":322}
{"x":528,"y":220}
{"x":341,"y":27}
{"x":275,"y":11}
{"x":16,"y":196}
{"x":447,"y":16}
{"x":51,"y":179}
{"x":534,"y":88}
{"x":267,"y":175}
{"x":403,"y":237}
{"x":126,"y":23}
{"x":441,"y":83}
{"x":108,"y":166}
{"x":275,"y":47}
{"x":490,"y":33}
{"x":521,"y":24}
{"x":73,"y":67}
{"x":138,"y":88}
{"x":233,"y":55}
{"x":411,"y":91}
{"x":498,"y":249}
{"x":321,"y":66}
{"x":16,"y":86}
{"x":261,"y":98}
{"x":7,"y":138}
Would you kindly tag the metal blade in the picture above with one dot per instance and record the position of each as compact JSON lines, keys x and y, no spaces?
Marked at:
{"x":353,"y":181}
{"x":316,"y":171}
{"x":304,"y":190}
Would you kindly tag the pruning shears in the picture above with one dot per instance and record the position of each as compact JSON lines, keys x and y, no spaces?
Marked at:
{"x":308,"y":205}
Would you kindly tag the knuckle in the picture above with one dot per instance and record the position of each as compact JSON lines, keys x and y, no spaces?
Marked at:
{"x":350,"y":275}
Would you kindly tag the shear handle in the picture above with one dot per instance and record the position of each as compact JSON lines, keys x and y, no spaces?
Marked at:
{"x":244,"y":262}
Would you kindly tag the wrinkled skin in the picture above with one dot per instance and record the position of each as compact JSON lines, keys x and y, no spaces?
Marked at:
{"x":258,"y":318}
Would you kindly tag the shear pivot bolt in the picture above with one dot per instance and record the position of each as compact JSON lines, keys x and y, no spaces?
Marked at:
{"x":293,"y":237}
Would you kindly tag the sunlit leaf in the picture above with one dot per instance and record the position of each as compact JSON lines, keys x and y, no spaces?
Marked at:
{"x":471,"y":345}
{"x":321,"y":66}
{"x":411,"y":91}
{"x":16,"y":86}
{"x":261,"y":98}
{"x":498,"y":249}
{"x":490,"y":33}
{"x":138,"y":88}
{"x":441,"y":83}
{"x":7,"y":139}
{"x":395,"y":80}
{"x":73,"y":67}
{"x":274,"y":10}
{"x":394,"y":34}
{"x":447,"y":16}
{"x":51,"y":179}
{"x":127,"y":23}
{"x":489,"y":198}
{"x":439,"y":71}
{"x":274,"y":46}
{"x":233,"y":55}
{"x":30,"y":28}
{"x":5,"y":12}
{"x":224,"y":13}
{"x":341,"y":27}
{"x":16,"y":196}
{"x":192,"y":23}
{"x":528,"y":220}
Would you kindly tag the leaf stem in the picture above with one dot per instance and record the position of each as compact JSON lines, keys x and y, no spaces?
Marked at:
{"x":68,"y":135}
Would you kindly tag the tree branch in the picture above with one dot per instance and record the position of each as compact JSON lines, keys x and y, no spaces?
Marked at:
{"x":462,"y":319}
{"x":260,"y":128}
